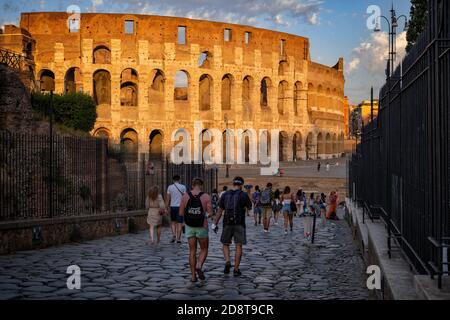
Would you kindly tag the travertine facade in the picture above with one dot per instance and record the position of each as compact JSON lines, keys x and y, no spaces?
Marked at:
{"x":148,"y":81}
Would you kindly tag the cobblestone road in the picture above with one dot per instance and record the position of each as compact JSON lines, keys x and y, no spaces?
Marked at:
{"x":275,"y":266}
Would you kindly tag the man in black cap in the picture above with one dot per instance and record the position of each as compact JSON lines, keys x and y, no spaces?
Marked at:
{"x":233,"y":205}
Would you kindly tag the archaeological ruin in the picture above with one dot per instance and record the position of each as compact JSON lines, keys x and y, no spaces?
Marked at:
{"x":152,"y":75}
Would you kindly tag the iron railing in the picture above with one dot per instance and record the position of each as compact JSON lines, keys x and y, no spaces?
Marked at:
{"x":401,"y":167}
{"x":42,"y":178}
{"x":11,"y":59}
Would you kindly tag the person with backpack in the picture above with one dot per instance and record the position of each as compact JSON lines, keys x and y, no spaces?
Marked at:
{"x":257,"y":210}
{"x":233,"y":205}
{"x":196,"y":208}
{"x":267,"y":199}
{"x":174,"y":194}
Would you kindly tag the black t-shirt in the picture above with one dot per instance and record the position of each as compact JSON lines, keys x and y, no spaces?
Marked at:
{"x":244,"y":203}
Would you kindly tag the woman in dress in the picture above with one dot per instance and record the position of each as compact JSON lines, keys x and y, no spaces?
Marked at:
{"x":331,"y":214}
{"x":156,"y":209}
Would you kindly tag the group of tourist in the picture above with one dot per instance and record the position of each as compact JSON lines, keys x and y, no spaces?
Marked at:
{"x":190,"y":210}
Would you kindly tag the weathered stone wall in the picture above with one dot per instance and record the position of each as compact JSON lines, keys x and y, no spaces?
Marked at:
{"x":301,"y":98}
{"x":27,"y":235}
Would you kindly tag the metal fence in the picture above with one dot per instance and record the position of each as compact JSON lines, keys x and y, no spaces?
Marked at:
{"x":400,"y":170}
{"x":65,"y":176}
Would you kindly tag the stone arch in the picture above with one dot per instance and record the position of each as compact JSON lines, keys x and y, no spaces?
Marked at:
{"x":328,"y":145}
{"x":283,"y":89}
{"x":284,"y":146}
{"x":312,"y":97}
{"x":181,"y":88}
{"x":335,"y":149}
{"x":101,"y":55}
{"x":129,"y":90}
{"x":103,"y":133}
{"x":297,"y":144}
{"x":102,"y":87}
{"x":156,"y":147}
{"x":283,"y":68}
{"x":73,"y":80}
{"x":319,"y":96}
{"x":156,"y":94}
{"x":341,"y":144}
{"x":246,"y":139}
{"x":129,"y":144}
{"x":205,"y":92}
{"x":227,"y":85}
{"x":247,"y":105}
{"x":205,"y":60}
{"x":310,"y":147}
{"x":266,"y":85}
{"x":321,"y":146}
{"x":47,"y":80}
{"x":298,"y":89}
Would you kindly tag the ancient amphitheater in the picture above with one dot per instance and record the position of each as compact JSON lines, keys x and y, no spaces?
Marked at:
{"x":152,"y":75}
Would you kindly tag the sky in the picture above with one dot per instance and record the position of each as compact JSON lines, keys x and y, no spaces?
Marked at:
{"x":336,"y":28}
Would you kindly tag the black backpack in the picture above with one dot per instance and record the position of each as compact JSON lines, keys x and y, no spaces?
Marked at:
{"x":194,"y":214}
{"x":234,"y":212}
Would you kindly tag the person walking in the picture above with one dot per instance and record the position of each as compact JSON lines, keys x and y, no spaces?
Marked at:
{"x":215,"y":201}
{"x":299,"y":201}
{"x":277,"y":206}
{"x":319,"y":165}
{"x":287,"y":198}
{"x":333,"y":200}
{"x":233,"y":205}
{"x":328,"y":167}
{"x":224,"y":190}
{"x":267,"y":199}
{"x":156,"y":207}
{"x":196,"y":208}
{"x":257,"y":210}
{"x":175,"y":193}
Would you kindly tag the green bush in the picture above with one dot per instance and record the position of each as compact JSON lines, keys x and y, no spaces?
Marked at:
{"x":73,"y":110}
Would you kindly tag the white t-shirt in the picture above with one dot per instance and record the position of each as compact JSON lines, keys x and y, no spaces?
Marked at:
{"x":175,"y":194}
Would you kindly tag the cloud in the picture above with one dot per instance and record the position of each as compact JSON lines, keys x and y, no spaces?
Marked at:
{"x":276,"y":12}
{"x":95,"y":4}
{"x":367,"y":64}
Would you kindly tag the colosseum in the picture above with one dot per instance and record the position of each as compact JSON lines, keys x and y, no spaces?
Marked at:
{"x":151,"y":75}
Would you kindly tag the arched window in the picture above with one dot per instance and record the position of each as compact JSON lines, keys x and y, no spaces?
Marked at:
{"x":129,"y":144}
{"x":247,"y":106}
{"x":102,"y":87}
{"x":47,"y":80}
{"x":129,"y":88}
{"x":205,"y":92}
{"x":265,"y":91}
{"x":282,"y":95}
{"x":226,"y":92}
{"x":283,"y":68}
{"x":102,"y":55}
{"x":157,"y":88}
{"x":156,"y":144}
{"x":181,"y":91}
{"x":205,"y":60}
{"x":73,"y":81}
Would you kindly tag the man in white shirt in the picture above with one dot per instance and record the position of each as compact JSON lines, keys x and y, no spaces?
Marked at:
{"x":175,"y":193}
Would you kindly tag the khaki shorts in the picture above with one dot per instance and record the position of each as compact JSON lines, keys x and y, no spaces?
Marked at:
{"x":267,"y":213}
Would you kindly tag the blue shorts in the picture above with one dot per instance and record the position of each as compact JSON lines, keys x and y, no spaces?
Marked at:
{"x":257,"y":210}
{"x":287,"y":209}
{"x":175,"y":215}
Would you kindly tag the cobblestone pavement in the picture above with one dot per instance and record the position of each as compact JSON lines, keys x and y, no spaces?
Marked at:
{"x":275,"y":266}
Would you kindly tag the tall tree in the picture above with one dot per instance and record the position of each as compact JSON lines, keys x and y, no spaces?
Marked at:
{"x":418,"y":22}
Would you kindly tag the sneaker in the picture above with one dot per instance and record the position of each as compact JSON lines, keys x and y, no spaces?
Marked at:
{"x":173,"y":240}
{"x":179,"y":242}
{"x":237,"y":273}
{"x":227,"y":268}
{"x":266,"y":231}
{"x":285,"y":232}
{"x":201,"y":274}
